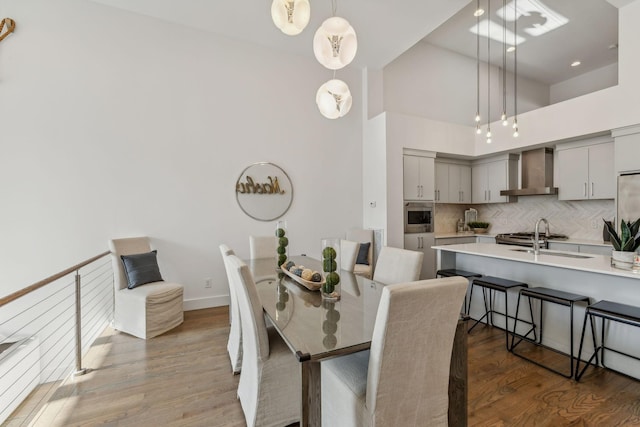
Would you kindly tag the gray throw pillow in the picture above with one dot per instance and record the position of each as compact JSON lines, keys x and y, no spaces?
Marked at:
{"x":363,"y":254}
{"x":141,"y":268}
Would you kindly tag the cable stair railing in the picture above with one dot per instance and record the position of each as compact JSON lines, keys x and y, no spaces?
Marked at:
{"x":45,"y":329}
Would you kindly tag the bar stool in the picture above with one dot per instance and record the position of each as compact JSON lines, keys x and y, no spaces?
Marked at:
{"x":496,"y":284}
{"x":554,"y":296}
{"x":450,"y":272}
{"x":606,"y":310}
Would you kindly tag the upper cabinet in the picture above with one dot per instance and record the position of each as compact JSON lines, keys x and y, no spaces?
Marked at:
{"x":492,"y":175}
{"x":453,"y":183}
{"x":627,"y":149}
{"x":419,"y":178}
{"x":586,"y":172}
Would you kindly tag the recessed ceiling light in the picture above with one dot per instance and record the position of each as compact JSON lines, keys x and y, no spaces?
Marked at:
{"x":478,"y":12}
{"x":575,"y":63}
{"x":511,"y":48}
{"x":613,"y":46}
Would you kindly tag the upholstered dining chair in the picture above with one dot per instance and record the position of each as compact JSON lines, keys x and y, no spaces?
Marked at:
{"x":262,"y":247}
{"x":234,"y":343}
{"x":144,"y":304}
{"x":403,"y":380}
{"x":348,"y":254}
{"x":398,"y":265}
{"x":364,"y":261}
{"x":270,"y":381}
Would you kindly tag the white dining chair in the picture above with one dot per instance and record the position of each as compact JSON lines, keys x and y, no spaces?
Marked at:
{"x":398,"y":265}
{"x":403,"y":380}
{"x":143,"y":307}
{"x":270,"y":382}
{"x":348,"y":254}
{"x":364,"y":261}
{"x":234,"y":343}
{"x":262,"y":247}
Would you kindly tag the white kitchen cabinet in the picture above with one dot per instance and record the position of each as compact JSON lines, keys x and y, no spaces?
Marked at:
{"x":442,"y":183}
{"x":587,"y":172}
{"x":490,"y":177}
{"x":422,"y":242}
{"x":452,"y":183}
{"x":419,"y":180}
{"x":627,"y":149}
{"x":586,"y":249}
{"x":459,"y":184}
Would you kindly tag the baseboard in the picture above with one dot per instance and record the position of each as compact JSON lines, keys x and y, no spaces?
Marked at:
{"x":207,"y":302}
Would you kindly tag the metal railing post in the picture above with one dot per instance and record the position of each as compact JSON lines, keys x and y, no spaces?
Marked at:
{"x":79,"y":369}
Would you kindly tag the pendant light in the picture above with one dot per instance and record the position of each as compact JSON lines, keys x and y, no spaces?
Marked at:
{"x":335,"y":43}
{"x":488,"y":72}
{"x":334,"y":99}
{"x":290,"y":16}
{"x":515,"y":69}
{"x":503,"y":117}
{"x":477,"y":14}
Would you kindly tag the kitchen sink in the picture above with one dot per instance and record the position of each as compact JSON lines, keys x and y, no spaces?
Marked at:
{"x":560,"y":254}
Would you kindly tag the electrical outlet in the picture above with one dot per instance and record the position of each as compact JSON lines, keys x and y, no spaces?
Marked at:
{"x":207,"y":282}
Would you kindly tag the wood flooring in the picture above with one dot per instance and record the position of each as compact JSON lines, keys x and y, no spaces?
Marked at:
{"x":183,"y":378}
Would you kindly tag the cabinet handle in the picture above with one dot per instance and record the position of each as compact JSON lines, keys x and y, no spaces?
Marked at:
{"x":462,"y":196}
{"x":592,"y":189}
{"x":489,"y":195}
{"x":585,"y":189}
{"x":485,"y":195}
{"x":418,"y":190}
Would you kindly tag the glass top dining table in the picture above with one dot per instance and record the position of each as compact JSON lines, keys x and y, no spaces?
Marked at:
{"x":317,"y":329}
{"x":312,"y":327}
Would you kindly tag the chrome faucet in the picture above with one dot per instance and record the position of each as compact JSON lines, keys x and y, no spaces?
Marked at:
{"x":536,"y":237}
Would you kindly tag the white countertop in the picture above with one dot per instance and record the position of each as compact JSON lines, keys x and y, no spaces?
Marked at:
{"x":594,"y":263}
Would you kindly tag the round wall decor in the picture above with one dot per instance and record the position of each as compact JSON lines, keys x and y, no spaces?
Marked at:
{"x":264,"y":191}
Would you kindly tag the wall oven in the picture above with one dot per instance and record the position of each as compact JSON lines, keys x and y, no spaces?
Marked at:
{"x":418,"y":217}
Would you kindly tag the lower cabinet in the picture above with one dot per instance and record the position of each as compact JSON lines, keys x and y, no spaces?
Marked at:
{"x":585,"y":249}
{"x":422,"y":242}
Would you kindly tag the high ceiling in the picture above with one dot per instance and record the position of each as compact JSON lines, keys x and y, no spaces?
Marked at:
{"x":387,"y":28}
{"x":590,"y":35}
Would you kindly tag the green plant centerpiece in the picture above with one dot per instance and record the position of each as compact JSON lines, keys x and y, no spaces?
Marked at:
{"x":479,"y":226}
{"x":283,"y":242}
{"x":330,"y":260}
{"x":624,"y":244}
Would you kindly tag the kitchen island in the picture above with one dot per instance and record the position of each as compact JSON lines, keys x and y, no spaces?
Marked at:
{"x":580,"y":273}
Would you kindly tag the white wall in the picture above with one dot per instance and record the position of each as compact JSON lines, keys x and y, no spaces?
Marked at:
{"x":114,"y":125}
{"x":592,"y":81}
{"x":375,"y":173}
{"x":429,"y":81}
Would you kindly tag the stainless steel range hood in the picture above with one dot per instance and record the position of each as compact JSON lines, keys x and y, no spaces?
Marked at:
{"x":537,"y":174}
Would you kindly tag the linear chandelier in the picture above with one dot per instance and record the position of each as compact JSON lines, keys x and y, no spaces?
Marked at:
{"x":502,"y":70}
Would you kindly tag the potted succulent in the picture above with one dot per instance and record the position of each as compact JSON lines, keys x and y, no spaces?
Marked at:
{"x":625,"y":244}
{"x":479,"y":227}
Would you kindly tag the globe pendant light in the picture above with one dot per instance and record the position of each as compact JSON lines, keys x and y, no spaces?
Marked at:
{"x":334,"y":99}
{"x":335,"y":43}
{"x":290,"y":16}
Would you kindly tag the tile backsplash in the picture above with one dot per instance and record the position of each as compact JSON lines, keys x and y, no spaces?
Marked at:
{"x":578,"y":219}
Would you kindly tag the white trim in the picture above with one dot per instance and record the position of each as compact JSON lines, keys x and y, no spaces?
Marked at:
{"x":207,"y":302}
